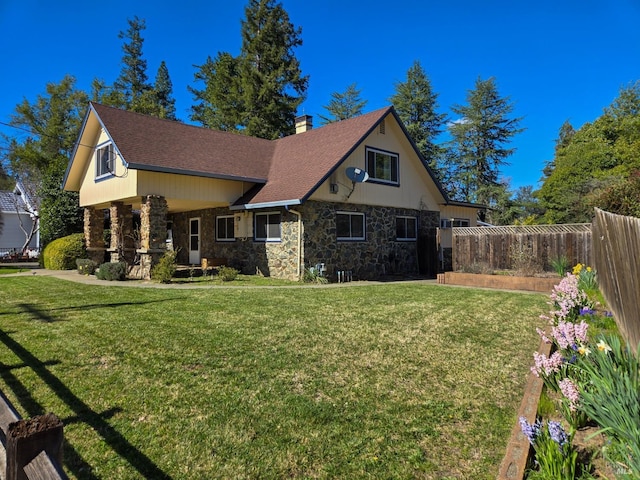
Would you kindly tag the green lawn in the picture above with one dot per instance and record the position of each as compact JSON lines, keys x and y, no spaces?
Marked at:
{"x":379,"y":381}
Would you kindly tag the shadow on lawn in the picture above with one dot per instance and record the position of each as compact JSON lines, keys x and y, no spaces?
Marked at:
{"x":83,"y":413}
{"x":45,"y":316}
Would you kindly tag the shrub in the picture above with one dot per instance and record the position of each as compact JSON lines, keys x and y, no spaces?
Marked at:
{"x":86,"y":266}
{"x":227,"y":274}
{"x":311,"y":275}
{"x":477,"y":268}
{"x":166,"y":267}
{"x":112,"y":271}
{"x":524,"y":261}
{"x":61,"y":254}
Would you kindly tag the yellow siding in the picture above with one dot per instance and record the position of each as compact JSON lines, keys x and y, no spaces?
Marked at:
{"x":102,"y":191}
{"x":186,"y":192}
{"x":457,"y":212}
{"x":417,"y":190}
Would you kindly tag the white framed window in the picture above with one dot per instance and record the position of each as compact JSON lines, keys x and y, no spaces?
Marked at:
{"x":350,"y":226}
{"x":267,"y":227}
{"x":382,"y":166}
{"x":225,"y":228}
{"x":104,"y":161}
{"x":406,"y":228}
{"x":454,"y":222}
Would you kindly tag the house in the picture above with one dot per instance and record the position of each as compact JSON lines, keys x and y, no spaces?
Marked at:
{"x":20,"y":222}
{"x":274,"y":207}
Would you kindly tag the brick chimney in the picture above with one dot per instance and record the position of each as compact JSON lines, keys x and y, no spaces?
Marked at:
{"x":304,"y":123}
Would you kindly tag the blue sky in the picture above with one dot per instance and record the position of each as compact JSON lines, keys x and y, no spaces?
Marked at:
{"x":557,"y":60}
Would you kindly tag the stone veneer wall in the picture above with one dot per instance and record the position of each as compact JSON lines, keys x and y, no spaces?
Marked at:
{"x":273,"y":259}
{"x":378,"y":255}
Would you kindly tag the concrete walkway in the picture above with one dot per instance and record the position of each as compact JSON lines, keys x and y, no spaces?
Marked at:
{"x":74,"y":276}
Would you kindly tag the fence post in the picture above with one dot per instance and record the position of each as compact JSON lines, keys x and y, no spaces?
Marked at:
{"x":27,"y":438}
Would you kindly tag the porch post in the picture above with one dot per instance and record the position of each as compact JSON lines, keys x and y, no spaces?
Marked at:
{"x":121,"y":248}
{"x":153,"y":232}
{"x":94,"y":234}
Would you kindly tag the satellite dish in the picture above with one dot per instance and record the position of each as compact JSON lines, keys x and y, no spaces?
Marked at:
{"x":357,"y":175}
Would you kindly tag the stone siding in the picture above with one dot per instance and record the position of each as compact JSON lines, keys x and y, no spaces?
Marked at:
{"x":378,"y":255}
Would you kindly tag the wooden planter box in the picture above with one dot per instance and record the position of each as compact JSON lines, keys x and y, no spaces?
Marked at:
{"x":505,"y":282}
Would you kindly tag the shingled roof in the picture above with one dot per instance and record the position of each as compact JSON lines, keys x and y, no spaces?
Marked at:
{"x":286,"y":171}
{"x":149,"y":143}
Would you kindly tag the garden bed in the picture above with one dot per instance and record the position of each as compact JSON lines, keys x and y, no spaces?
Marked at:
{"x":506,"y":282}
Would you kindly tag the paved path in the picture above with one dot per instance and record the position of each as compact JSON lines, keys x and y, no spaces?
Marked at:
{"x":74,"y":276}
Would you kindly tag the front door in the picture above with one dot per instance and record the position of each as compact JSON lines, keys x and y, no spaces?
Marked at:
{"x":194,"y":241}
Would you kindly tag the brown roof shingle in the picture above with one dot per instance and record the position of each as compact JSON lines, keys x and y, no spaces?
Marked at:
{"x":287,"y":170}
{"x":149,"y":143}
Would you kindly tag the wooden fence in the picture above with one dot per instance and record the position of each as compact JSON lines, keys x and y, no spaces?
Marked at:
{"x":616,"y":247}
{"x":492,"y":246}
{"x":32,"y":448}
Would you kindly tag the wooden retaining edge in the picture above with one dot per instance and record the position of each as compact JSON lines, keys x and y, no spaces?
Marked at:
{"x":514,"y":462}
{"x":505,"y":282}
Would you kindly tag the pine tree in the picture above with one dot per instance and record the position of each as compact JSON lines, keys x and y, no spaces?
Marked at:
{"x":479,"y":137}
{"x":163,"y":90}
{"x":417,"y":105}
{"x":219,"y":104}
{"x":272,"y":84}
{"x":344,"y":105}
{"x":132,"y":83}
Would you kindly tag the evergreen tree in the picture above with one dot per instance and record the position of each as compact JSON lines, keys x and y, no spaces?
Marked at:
{"x":593,"y":161}
{"x":163,"y":90}
{"x":132,"y":84}
{"x":565,"y":135}
{"x":417,"y":105}
{"x":54,"y":121}
{"x":219,"y":104}
{"x":479,"y":138}
{"x":272,"y":85}
{"x":344,"y":105}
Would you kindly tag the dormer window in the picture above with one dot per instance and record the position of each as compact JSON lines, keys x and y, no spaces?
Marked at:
{"x":104,"y":161}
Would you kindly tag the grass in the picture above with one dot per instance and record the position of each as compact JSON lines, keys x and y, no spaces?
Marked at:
{"x":380,"y":381}
{"x":6,"y":270}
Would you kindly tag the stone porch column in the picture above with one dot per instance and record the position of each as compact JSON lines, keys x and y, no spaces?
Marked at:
{"x":94,"y":234}
{"x":122,"y":248}
{"x":153,"y":232}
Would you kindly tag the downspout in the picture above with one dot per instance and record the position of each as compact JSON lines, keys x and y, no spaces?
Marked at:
{"x":299,"y":215}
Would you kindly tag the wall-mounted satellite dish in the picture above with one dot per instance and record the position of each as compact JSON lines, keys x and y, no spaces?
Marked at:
{"x":357,"y":175}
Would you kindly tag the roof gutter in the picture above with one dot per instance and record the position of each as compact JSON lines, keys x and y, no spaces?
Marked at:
{"x":255,"y":206}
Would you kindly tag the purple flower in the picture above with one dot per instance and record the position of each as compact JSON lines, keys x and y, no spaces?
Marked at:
{"x":557,"y":433}
{"x":587,"y":311}
{"x":608,"y":314}
{"x":529,"y":430}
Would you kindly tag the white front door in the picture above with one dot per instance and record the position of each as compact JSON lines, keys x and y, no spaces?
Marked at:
{"x":194,"y":241}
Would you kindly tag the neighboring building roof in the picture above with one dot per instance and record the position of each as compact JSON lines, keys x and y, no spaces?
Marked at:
{"x":8,"y":201}
{"x":286,"y":171}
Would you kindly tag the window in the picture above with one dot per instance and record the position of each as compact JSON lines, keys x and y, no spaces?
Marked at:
{"x":104,"y":161}
{"x":454,"y":222}
{"x":267,"y":226}
{"x":225,"y":229}
{"x":406,"y":228}
{"x":350,"y":226}
{"x":382,"y":166}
